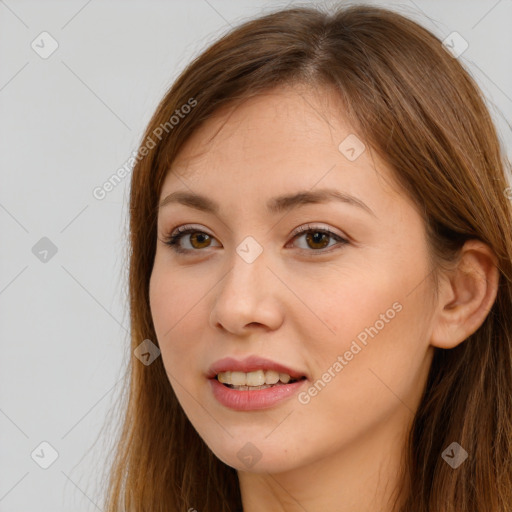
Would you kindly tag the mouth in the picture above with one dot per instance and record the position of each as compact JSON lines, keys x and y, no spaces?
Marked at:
{"x":253,"y":383}
{"x":255,"y":380}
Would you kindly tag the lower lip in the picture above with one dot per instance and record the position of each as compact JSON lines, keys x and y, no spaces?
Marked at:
{"x":253,"y":400}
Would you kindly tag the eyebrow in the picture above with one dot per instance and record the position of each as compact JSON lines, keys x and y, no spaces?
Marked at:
{"x":274,"y":206}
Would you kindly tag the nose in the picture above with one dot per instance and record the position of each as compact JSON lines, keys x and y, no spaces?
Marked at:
{"x":248,"y":298}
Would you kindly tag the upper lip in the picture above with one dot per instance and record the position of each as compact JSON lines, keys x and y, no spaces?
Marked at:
{"x":250,"y":364}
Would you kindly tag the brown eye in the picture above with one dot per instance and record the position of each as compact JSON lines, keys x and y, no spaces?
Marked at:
{"x":202,"y":239}
{"x":317,"y":239}
{"x":197,"y":239}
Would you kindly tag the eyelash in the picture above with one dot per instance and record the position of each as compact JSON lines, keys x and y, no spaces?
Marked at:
{"x":174,"y":239}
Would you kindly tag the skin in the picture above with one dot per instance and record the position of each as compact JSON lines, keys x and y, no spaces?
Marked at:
{"x":295,"y":305}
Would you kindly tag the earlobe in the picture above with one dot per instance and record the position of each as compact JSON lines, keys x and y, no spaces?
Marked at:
{"x":466,"y":296}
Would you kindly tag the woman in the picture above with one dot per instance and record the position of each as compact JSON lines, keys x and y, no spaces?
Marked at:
{"x":321,"y":252}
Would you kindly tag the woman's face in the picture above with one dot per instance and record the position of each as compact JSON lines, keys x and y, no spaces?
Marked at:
{"x":348,"y":313}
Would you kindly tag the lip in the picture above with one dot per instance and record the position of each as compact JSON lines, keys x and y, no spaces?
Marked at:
{"x":254,"y":400}
{"x":250,"y":364}
{"x":245,"y":400}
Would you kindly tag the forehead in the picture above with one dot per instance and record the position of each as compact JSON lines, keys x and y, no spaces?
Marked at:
{"x":277,"y":143}
{"x":287,"y":124}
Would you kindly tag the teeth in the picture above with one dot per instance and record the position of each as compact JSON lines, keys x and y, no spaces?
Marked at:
{"x":271,"y":377}
{"x":238,"y":379}
{"x":254,"y":379}
{"x":224,"y":377}
{"x":283,"y":377}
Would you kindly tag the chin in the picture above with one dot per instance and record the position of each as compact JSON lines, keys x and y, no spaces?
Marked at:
{"x":254,"y":456}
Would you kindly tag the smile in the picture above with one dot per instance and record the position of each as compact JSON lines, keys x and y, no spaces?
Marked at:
{"x":259,"y":379}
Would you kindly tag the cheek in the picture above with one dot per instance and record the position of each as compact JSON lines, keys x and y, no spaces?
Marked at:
{"x":376,"y":319}
{"x":178,"y":334}
{"x":376,"y":363}
{"x":348,"y":305}
{"x":175,"y":298}
{"x":174,"y":308}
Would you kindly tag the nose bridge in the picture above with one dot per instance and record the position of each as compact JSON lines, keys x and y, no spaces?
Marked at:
{"x":248,"y":267}
{"x":245,"y":295}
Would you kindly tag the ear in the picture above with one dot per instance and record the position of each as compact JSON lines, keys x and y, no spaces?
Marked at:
{"x":466,"y":295}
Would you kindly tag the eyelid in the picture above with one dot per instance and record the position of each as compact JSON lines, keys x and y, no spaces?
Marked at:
{"x":184,"y":227}
{"x":298,"y":230}
{"x":311,"y":225}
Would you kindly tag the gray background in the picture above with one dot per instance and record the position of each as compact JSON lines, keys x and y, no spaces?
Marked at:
{"x":67,"y":123}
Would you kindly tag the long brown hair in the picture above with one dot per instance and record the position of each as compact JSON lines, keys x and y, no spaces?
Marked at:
{"x":413,"y":103}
